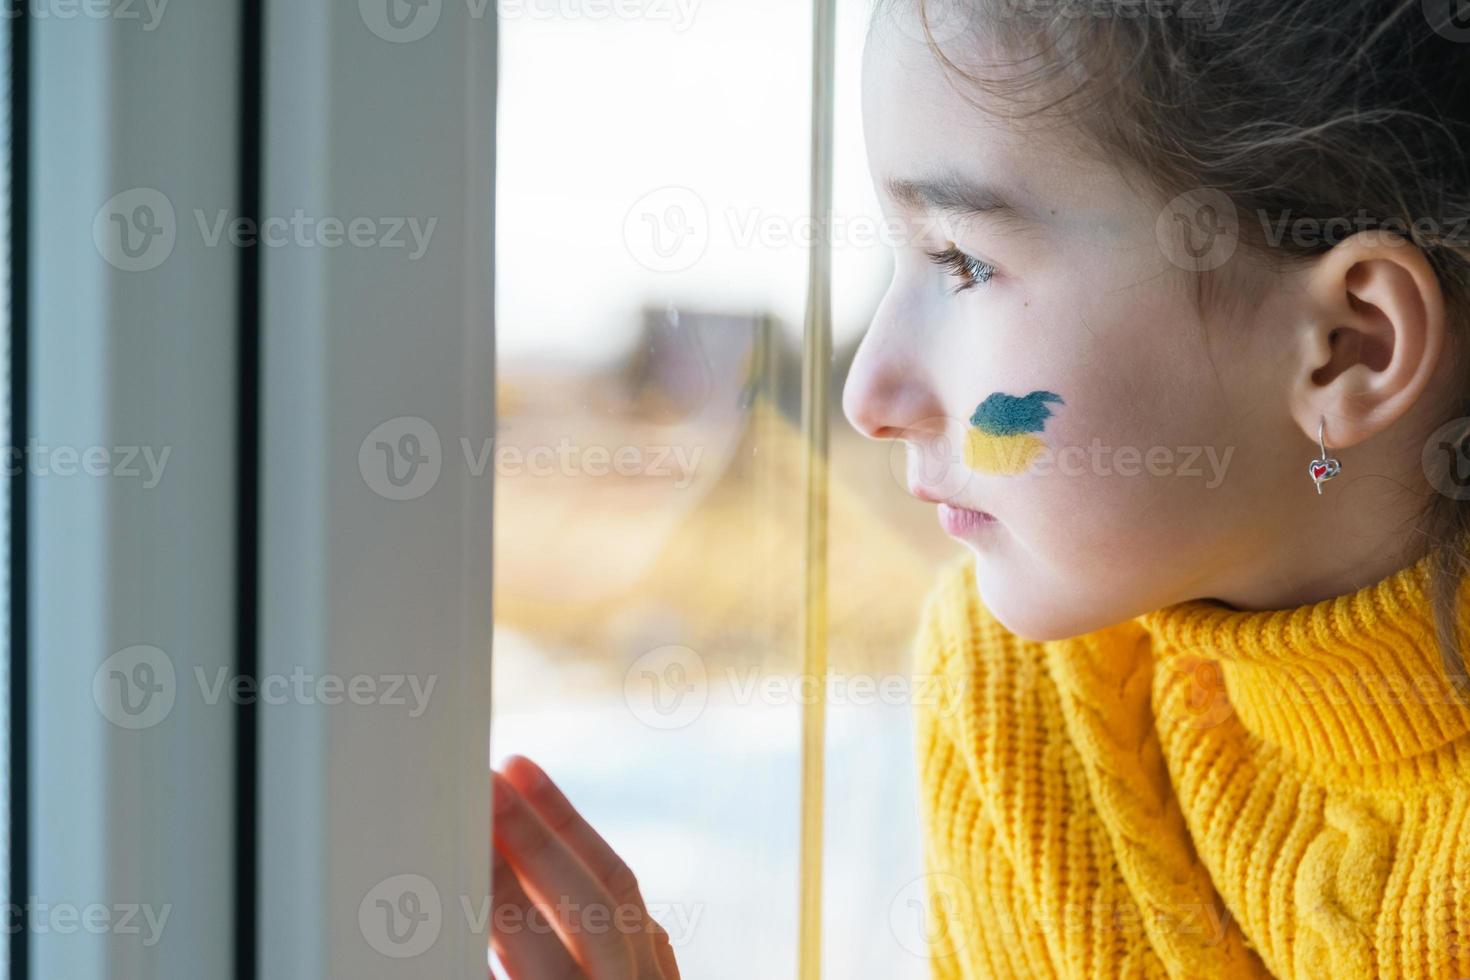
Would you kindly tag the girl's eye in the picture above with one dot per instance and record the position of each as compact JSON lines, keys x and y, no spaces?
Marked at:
{"x":969,"y":270}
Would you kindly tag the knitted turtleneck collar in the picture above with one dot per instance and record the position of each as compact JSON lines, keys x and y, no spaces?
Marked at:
{"x":1356,"y":680}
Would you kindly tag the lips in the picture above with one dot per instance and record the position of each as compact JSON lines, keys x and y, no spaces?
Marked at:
{"x":927,"y":495}
{"x":961,"y":522}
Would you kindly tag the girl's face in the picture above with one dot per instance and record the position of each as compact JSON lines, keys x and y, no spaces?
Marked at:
{"x":1101,"y":448}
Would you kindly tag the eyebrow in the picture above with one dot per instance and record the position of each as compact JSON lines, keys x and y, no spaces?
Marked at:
{"x":955,"y":195}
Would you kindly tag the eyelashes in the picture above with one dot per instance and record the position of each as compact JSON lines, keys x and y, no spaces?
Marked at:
{"x":967,"y":270}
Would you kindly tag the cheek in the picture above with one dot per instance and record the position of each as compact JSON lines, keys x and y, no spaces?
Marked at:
{"x":1128,"y":491}
{"x":1005,"y":432}
{"x":1109,"y":463}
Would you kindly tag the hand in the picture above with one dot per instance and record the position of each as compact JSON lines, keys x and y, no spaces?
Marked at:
{"x":564,"y":904}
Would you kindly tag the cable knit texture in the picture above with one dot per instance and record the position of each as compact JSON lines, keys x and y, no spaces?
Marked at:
{"x":1199,"y":792}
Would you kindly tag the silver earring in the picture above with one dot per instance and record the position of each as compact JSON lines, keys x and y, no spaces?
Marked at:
{"x":1324,"y":467}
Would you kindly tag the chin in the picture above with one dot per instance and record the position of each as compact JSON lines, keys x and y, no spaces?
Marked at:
{"x":1034,"y":609}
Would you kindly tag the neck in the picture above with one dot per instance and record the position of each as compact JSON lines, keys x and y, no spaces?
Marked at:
{"x":1365,"y":526}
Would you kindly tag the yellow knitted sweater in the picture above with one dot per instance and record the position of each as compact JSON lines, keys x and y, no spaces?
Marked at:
{"x":1199,"y":792}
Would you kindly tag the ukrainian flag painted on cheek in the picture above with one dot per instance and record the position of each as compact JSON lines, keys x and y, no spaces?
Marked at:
{"x":1004,"y":435}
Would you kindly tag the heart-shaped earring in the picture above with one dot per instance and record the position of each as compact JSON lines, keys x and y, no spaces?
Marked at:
{"x":1324,"y":467}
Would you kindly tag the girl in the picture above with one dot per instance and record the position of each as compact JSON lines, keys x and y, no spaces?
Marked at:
{"x":1214,"y":719}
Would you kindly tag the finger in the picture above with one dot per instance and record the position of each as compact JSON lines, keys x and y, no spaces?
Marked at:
{"x":556,"y":879}
{"x":551,"y":804}
{"x":521,"y":934}
{"x":553,"y":807}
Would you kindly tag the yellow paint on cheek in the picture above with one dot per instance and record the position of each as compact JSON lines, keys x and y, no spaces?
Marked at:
{"x":1001,"y":455}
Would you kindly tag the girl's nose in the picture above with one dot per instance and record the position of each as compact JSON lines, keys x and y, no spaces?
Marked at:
{"x":888,"y":395}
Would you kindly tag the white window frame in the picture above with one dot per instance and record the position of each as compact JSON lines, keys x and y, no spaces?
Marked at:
{"x":353,"y":583}
{"x":350,"y":583}
{"x":131,"y":817}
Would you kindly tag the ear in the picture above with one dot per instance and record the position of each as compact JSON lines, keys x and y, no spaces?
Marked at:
{"x":1371,"y":338}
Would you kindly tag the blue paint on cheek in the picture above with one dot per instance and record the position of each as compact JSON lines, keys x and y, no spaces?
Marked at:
{"x":1010,"y":415}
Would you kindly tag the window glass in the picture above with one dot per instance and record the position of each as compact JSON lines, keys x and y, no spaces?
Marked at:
{"x":884,"y":548}
{"x":651,"y":284}
{"x":653,"y":242}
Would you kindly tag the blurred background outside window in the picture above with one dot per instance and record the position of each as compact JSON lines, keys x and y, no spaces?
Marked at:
{"x":653,"y":225}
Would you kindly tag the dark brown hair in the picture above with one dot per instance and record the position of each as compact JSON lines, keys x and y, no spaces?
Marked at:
{"x":1352,"y":114}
